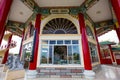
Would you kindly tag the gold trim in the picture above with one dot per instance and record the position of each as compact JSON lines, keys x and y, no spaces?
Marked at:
{"x":44,"y":16}
{"x":117,"y":25}
{"x":75,"y":16}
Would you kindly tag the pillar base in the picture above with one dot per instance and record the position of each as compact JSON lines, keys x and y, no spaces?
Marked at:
{"x":31,"y":74}
{"x":114,"y":63}
{"x":89,"y":74}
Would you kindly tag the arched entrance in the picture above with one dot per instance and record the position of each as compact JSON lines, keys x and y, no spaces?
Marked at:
{"x":60,"y":43}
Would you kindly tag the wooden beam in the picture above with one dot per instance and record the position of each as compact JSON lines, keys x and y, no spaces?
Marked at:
{"x":35,"y":8}
{"x":104,"y":23}
{"x":87,"y":4}
{"x":104,"y":26}
{"x":15,"y":27}
{"x":32,"y":5}
{"x":104,"y":30}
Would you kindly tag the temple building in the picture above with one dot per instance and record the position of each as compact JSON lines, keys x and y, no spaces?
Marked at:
{"x":60,"y":37}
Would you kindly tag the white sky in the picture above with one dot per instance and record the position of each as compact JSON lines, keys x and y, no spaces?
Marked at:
{"x":15,"y":49}
{"x":110,"y":36}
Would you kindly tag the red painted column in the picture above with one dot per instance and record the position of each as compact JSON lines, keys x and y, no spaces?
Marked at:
{"x":118,"y":32}
{"x":85,"y":46}
{"x":2,"y":33}
{"x":7,"y":51}
{"x":4,"y":10}
{"x":20,"y":52}
{"x":111,"y":52}
{"x":116,"y":7}
{"x":98,"y":46}
{"x":104,"y":52}
{"x":33,"y":63}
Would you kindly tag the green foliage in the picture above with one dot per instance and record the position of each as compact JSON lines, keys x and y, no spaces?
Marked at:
{"x":76,"y":56}
{"x":27,"y":54}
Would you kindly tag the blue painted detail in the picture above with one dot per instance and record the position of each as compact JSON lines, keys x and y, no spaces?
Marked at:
{"x":33,"y":47}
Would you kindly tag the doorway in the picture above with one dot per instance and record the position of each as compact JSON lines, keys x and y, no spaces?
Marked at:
{"x":60,"y":54}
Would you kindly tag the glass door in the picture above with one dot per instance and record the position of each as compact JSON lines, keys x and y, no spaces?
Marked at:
{"x":60,"y":54}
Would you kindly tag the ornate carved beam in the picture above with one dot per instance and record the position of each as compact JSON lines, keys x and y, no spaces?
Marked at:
{"x":32,"y":5}
{"x":104,"y":26}
{"x":104,"y":30}
{"x":87,"y":4}
{"x":15,"y":27}
{"x":74,"y":10}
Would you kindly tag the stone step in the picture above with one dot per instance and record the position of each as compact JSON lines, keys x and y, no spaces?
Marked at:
{"x":2,"y":75}
{"x":58,"y":79}
{"x":20,"y":79}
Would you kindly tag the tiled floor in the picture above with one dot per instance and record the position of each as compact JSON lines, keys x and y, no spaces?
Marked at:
{"x":107,"y":73}
{"x":2,"y":74}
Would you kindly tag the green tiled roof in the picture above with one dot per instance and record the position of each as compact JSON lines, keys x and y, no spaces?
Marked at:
{"x":116,"y":48}
{"x":107,"y":43}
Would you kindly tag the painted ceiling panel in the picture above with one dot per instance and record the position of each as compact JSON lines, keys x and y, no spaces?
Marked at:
{"x":19,"y":12}
{"x":100,"y":11}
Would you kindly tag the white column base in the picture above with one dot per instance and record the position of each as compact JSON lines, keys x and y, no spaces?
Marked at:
{"x":114,"y":63}
{"x":31,"y":74}
{"x":89,"y":74}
